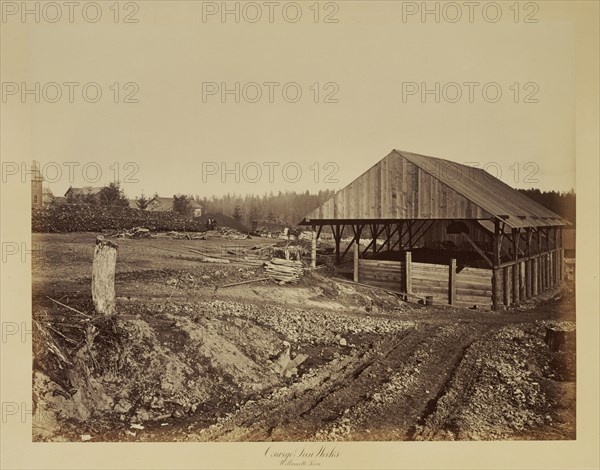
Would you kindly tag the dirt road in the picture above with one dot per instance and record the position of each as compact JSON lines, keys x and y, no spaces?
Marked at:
{"x":187,"y":362}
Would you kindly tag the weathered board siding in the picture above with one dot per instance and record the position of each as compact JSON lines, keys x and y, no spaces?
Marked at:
{"x":386,"y":274}
{"x":395,"y":188}
{"x":473,"y":286}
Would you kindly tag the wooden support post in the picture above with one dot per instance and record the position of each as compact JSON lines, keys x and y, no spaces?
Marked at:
{"x":529,"y":272}
{"x":337,"y":237}
{"x":525,"y":289}
{"x":561,"y":256}
{"x":549,"y":270}
{"x":451,"y":281}
{"x":496,"y":288}
{"x":103,"y":276}
{"x":528,"y":251}
{"x":545,"y":277}
{"x":535,"y":277}
{"x":522,"y":280}
{"x":388,"y":236}
{"x":548,"y":281}
{"x":374,"y":234}
{"x":542,"y":268}
{"x":505,"y":286}
{"x":516,"y":268}
{"x":496,"y":298}
{"x":562,"y":264}
{"x":545,"y":272}
{"x":408,"y":271}
{"x":313,"y":251}
{"x":356,"y":257}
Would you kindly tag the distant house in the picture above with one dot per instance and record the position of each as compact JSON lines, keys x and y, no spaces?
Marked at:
{"x":47,"y":197}
{"x":160,"y":204}
{"x":166,"y":204}
{"x":58,"y":200}
{"x":85,"y":191}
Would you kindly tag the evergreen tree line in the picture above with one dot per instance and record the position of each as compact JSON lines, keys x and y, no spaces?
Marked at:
{"x":561,"y":203}
{"x":286,"y":208}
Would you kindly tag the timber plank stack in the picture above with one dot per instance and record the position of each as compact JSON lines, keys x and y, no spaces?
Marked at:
{"x":284,"y":271}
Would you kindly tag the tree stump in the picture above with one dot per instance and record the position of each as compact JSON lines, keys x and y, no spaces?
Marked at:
{"x":103,"y":276}
{"x":560,"y":340}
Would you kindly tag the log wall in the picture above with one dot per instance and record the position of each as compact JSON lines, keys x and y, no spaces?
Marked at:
{"x":529,"y":277}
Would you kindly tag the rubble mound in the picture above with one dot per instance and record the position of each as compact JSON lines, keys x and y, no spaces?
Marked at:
{"x":139,"y":368}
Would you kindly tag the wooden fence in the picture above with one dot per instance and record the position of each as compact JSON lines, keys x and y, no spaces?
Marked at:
{"x":464,"y":286}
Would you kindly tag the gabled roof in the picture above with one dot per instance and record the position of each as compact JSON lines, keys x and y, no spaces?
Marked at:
{"x":166,"y":204}
{"x":488,"y":192}
{"x":83,"y":191}
{"x":406,"y":185}
{"x":161,"y":203}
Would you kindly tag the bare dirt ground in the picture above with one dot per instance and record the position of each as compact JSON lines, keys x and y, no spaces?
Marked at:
{"x":188,"y":360}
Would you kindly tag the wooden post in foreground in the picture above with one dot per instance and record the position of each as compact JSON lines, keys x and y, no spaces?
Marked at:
{"x":103,"y":276}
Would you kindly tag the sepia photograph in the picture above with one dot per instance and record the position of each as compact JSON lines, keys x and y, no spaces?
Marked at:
{"x":303,"y":234}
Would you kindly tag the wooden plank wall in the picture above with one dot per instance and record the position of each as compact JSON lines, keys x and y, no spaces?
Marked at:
{"x":513,"y":282}
{"x":430,"y":280}
{"x":395,"y":188}
{"x":386,"y":274}
{"x":473,"y":287}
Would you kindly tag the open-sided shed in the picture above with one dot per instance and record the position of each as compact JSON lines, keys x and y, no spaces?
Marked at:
{"x":445,"y":230}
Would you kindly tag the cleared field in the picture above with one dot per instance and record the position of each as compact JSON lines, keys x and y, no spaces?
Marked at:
{"x":186,"y":359}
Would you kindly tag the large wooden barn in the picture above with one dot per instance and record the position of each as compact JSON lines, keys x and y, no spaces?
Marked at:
{"x":437,"y":230}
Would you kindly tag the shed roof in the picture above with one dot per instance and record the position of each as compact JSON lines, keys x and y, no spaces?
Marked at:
{"x":406,"y":185}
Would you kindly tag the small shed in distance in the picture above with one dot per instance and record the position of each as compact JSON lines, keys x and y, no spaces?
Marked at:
{"x":440,"y":229}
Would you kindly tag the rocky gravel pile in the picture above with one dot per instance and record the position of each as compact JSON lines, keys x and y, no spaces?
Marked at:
{"x":498,"y":389}
{"x":303,"y":326}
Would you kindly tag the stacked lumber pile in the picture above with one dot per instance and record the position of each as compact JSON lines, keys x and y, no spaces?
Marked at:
{"x":283,"y":270}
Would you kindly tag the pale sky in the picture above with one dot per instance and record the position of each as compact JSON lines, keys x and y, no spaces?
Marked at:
{"x":178,"y":142}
